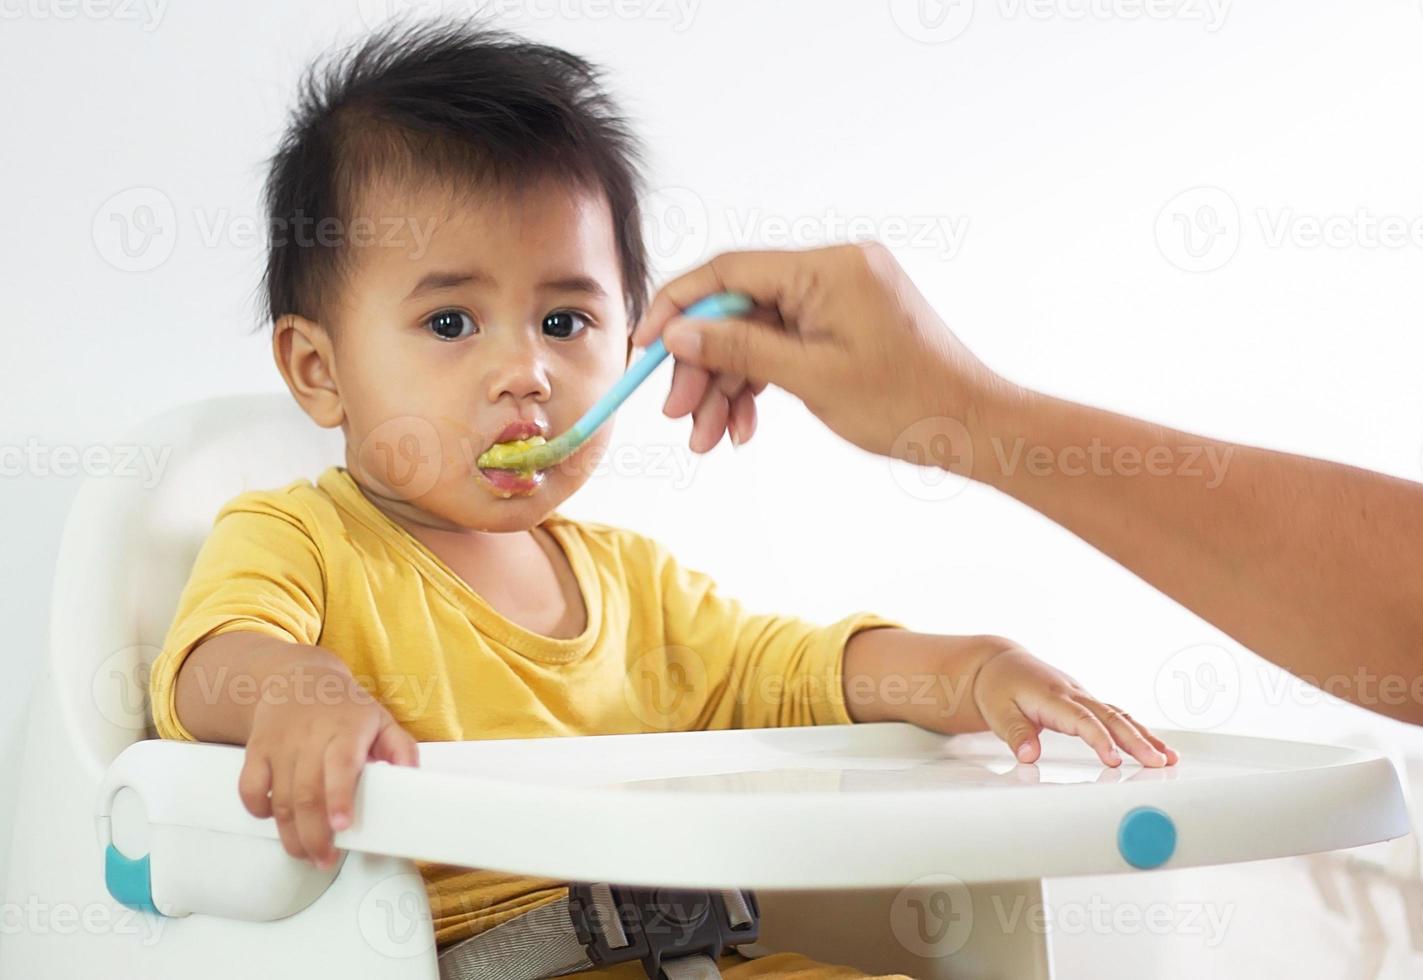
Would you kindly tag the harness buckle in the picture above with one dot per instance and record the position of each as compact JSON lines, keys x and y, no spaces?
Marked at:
{"x":617,"y":923}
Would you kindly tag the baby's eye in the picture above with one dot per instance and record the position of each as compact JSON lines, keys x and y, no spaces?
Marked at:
{"x":451,"y":324}
{"x":564,"y":324}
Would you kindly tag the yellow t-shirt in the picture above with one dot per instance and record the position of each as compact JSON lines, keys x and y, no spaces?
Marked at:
{"x":662,"y":651}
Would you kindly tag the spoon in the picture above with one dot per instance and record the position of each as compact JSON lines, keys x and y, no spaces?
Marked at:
{"x":529,"y":455}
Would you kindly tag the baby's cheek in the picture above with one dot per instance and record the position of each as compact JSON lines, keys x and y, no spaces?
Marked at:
{"x":583,"y":465}
{"x":402,"y":456}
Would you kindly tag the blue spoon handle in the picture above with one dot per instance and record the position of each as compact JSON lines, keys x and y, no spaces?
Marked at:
{"x":558,"y":449}
{"x":709,"y":308}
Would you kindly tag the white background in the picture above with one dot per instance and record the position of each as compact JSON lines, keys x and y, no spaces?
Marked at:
{"x":1056,"y":139}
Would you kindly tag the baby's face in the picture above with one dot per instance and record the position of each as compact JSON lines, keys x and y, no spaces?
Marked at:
{"x":510,"y":321}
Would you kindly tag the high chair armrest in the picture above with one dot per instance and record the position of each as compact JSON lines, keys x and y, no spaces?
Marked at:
{"x":177,"y":839}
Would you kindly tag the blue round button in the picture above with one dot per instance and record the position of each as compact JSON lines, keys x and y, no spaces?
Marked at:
{"x":1146,"y":837}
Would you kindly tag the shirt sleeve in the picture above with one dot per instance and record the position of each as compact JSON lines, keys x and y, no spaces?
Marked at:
{"x":260,"y":571}
{"x":746,"y":670}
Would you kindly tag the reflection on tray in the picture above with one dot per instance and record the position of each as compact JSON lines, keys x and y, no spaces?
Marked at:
{"x":914,"y":776}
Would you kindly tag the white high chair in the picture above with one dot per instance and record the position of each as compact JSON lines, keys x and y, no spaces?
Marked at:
{"x":882,"y":846}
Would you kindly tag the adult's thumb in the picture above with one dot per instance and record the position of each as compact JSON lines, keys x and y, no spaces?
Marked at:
{"x":757,"y":351}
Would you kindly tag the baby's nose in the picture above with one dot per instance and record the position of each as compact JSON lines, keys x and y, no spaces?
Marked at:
{"x":522,"y":374}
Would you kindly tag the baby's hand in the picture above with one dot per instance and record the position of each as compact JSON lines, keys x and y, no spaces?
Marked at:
{"x":307,"y":747}
{"x":1019,"y":695}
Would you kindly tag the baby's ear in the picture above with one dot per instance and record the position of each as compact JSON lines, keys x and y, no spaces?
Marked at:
{"x":303,"y":352}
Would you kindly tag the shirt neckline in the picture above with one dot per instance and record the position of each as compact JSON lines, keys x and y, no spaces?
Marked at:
{"x":341,"y":486}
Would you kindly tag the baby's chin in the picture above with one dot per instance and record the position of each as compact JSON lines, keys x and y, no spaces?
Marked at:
{"x":486,"y":506}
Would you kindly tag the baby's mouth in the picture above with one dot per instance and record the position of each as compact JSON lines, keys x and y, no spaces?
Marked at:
{"x":512,"y":483}
{"x":512,"y":443}
{"x":506,"y":455}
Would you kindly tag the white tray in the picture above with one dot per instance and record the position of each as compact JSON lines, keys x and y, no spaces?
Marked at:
{"x":853,"y":806}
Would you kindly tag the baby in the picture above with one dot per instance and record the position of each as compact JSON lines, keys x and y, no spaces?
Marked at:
{"x":456,"y":262}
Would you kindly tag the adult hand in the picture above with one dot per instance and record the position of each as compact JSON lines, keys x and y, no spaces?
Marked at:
{"x":842,"y":328}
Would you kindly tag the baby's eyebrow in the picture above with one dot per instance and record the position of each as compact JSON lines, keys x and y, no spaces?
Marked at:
{"x":575,"y":284}
{"x":432,"y":281}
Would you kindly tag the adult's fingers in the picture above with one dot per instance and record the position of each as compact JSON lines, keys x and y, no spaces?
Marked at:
{"x":731,"y":385}
{"x":748,"y":348}
{"x":709,"y":421}
{"x":689,"y":385}
{"x":762,"y":275}
{"x":742,"y":424}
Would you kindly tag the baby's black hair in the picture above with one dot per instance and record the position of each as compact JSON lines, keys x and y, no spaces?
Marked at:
{"x":453,"y":101}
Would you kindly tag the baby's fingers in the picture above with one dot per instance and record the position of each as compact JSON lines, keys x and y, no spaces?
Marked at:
{"x":255,"y":782}
{"x":345,"y":757}
{"x":283,"y":808}
{"x":396,"y":746}
{"x":1062,"y":714}
{"x":1016,"y":730}
{"x":1171,"y":755}
{"x":313,"y":826}
{"x":1127,"y":733}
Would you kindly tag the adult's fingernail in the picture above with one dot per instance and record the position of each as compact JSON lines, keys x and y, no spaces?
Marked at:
{"x":1025,"y":752}
{"x":340,"y":821}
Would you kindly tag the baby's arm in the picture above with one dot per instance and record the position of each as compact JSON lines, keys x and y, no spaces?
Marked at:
{"x":308,"y":726}
{"x":956,"y":684}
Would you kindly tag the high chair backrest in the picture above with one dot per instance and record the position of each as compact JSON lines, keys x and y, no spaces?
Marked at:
{"x":129,"y":545}
{"x":126,"y":553}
